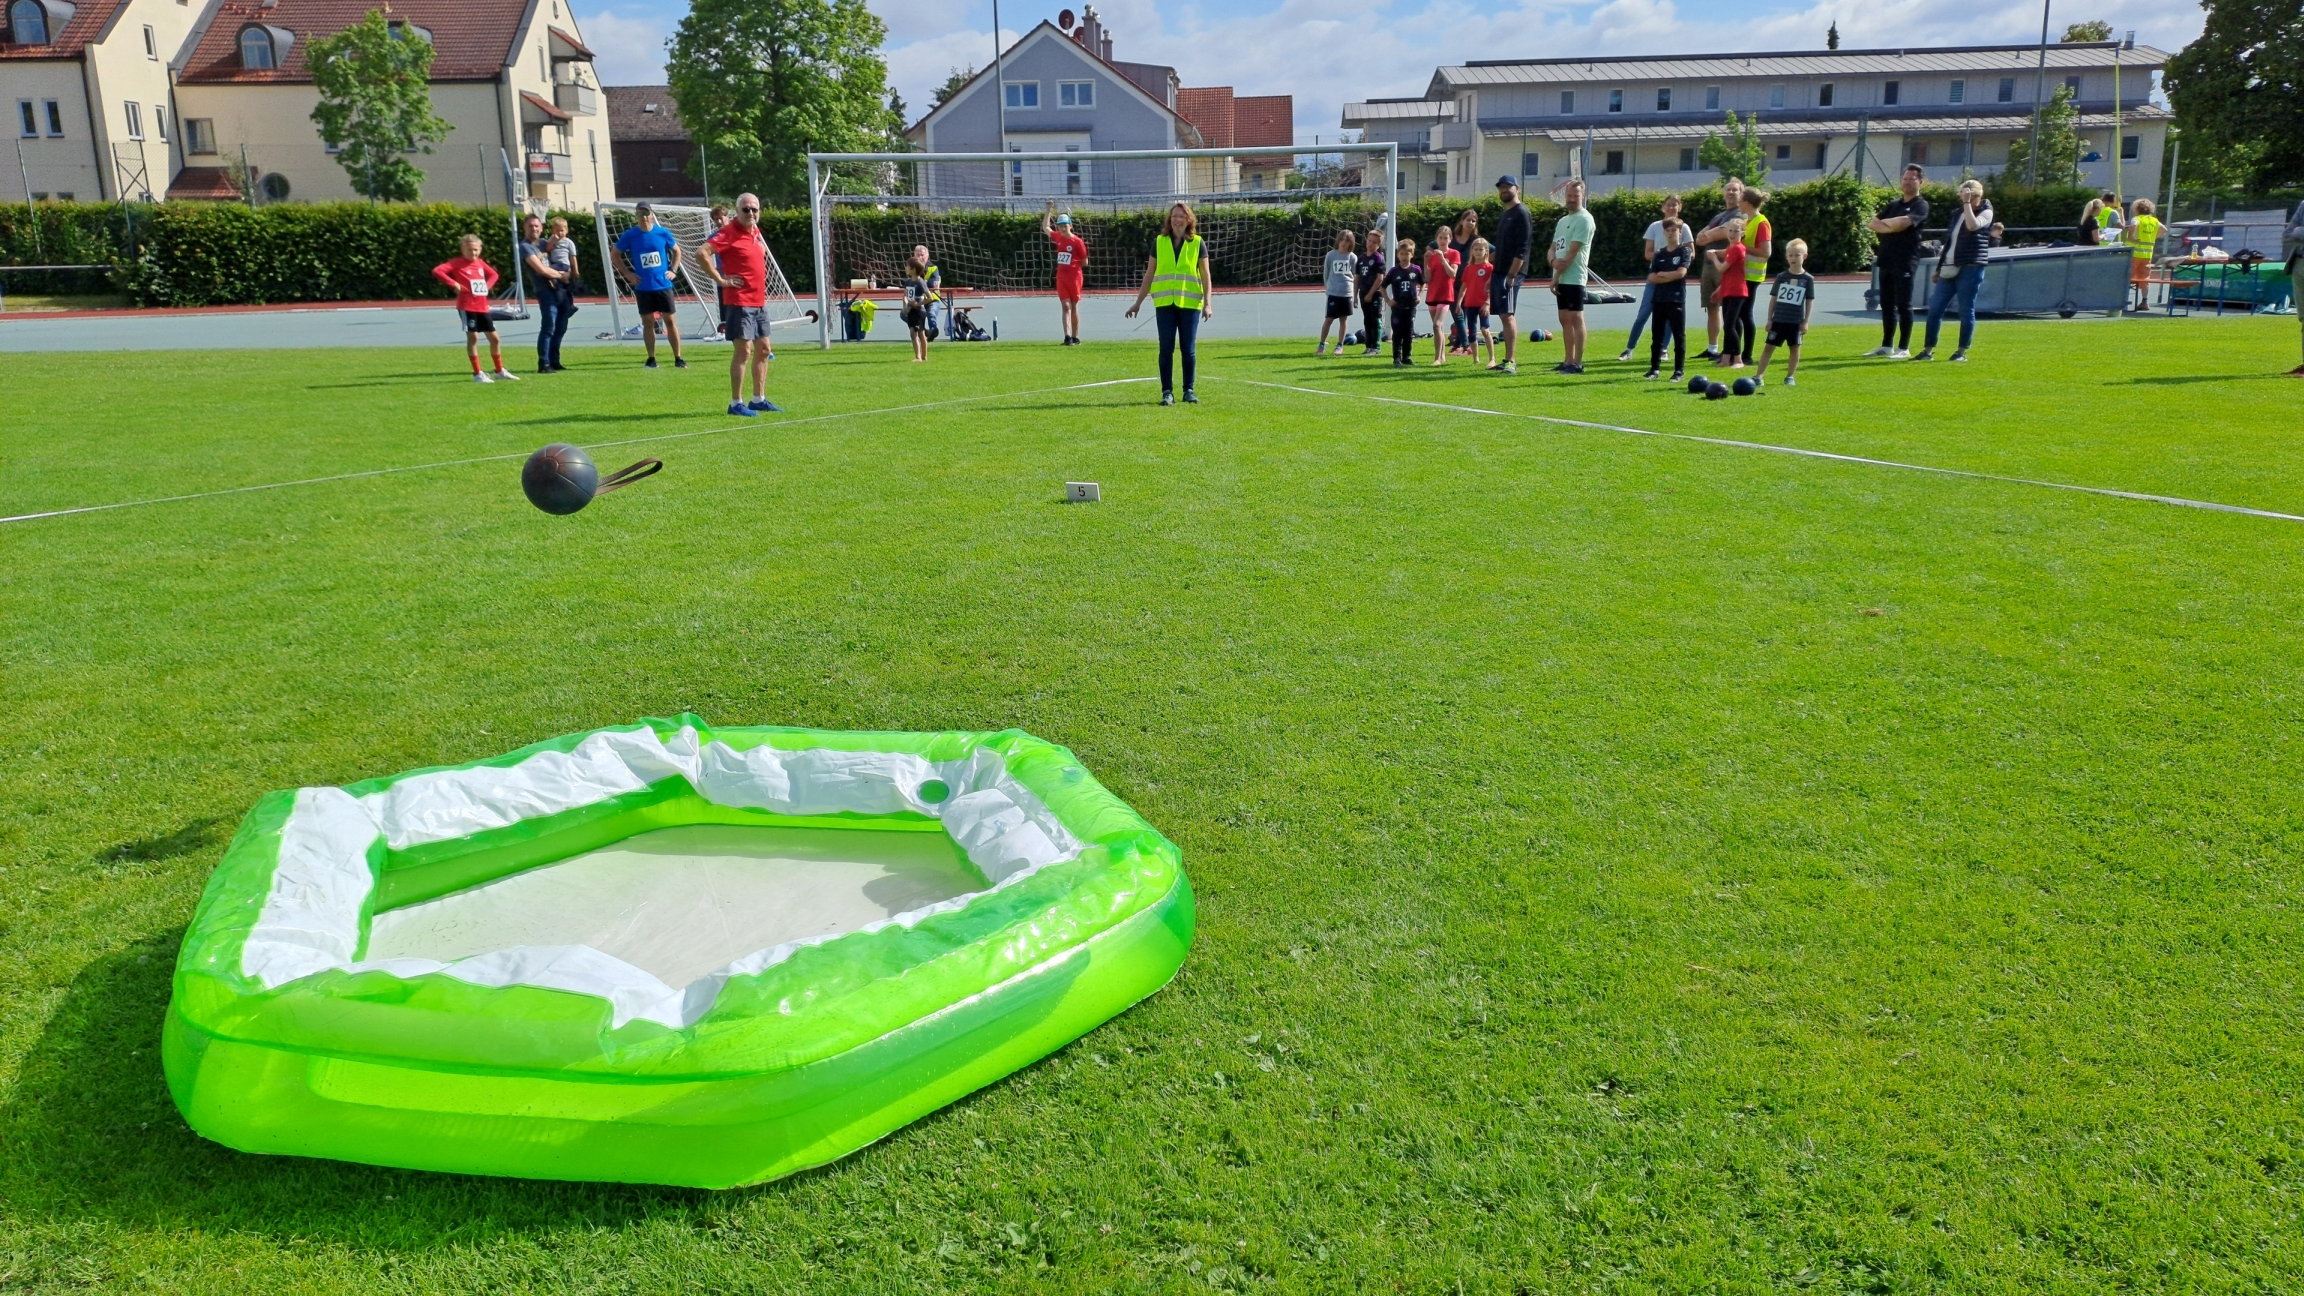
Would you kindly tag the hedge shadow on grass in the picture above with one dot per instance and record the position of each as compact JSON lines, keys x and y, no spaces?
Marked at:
{"x":89,"y":1132}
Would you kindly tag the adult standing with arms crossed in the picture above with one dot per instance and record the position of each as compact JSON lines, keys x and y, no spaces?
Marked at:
{"x":1071,"y":268}
{"x":538,"y":266}
{"x":1898,"y":225}
{"x":1515,"y":233}
{"x":1571,"y":254}
{"x":1715,"y":234}
{"x":1178,"y":279}
{"x":650,"y":253}
{"x":737,"y":260}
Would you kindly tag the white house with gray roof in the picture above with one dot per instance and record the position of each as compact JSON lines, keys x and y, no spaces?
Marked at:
{"x":1640,"y":121}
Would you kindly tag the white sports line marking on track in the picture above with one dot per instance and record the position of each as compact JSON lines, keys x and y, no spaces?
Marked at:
{"x":2140,"y":496}
{"x":598,"y":445}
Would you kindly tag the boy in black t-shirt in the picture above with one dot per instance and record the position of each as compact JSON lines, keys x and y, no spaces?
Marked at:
{"x":1668,"y":298}
{"x":1370,"y":287}
{"x":1791,"y":300}
{"x":1404,"y":289}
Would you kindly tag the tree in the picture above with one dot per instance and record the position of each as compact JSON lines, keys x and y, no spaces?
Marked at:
{"x":1832,"y":35}
{"x":952,"y":86}
{"x":2059,"y":145}
{"x":763,"y":83}
{"x":2097,"y":30}
{"x":374,"y":79}
{"x":2239,"y":89}
{"x":1737,"y":153}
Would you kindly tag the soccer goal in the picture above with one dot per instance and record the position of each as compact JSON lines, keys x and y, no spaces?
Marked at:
{"x":979,"y":213}
{"x":694,"y":294}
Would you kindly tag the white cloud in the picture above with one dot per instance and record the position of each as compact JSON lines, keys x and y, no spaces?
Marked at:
{"x":630,"y":46}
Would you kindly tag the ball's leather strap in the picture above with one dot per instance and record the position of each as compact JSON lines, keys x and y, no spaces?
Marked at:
{"x":627,"y":476}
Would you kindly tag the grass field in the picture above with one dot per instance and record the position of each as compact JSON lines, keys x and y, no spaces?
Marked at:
{"x":1625,"y":864}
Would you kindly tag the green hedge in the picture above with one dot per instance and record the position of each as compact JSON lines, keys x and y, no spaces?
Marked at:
{"x":208,"y":254}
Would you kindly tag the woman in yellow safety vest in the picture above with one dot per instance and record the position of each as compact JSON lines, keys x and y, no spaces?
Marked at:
{"x":1176,"y":278}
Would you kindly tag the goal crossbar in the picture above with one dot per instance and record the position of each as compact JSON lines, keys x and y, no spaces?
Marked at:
{"x":820,"y":201}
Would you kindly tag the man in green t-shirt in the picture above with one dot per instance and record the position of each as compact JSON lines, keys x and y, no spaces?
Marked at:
{"x":1571,"y":254}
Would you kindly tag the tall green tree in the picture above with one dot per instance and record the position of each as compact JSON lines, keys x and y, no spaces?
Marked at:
{"x":2239,"y":89}
{"x":2093,"y":30}
{"x":2059,"y":145}
{"x":763,"y":83}
{"x":374,"y":79}
{"x":1737,"y":151}
{"x":952,"y":86}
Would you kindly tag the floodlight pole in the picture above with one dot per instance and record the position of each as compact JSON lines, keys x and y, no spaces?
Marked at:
{"x":2039,"y":85}
{"x":1000,"y":91}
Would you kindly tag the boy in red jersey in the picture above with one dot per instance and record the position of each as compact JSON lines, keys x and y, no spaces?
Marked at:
{"x":1071,"y":268}
{"x":473,"y":278}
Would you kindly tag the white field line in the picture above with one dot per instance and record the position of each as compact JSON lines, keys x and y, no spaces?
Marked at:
{"x":600,"y":445}
{"x":2176,"y":500}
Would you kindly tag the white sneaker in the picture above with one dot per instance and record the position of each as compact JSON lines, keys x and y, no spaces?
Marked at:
{"x":1625,"y":356}
{"x":1881,"y":351}
{"x":1900,"y":354}
{"x":507,"y":375}
{"x":479,"y":377}
{"x":1791,"y":382}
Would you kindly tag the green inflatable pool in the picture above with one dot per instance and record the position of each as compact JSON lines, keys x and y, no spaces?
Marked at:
{"x":661,"y":953}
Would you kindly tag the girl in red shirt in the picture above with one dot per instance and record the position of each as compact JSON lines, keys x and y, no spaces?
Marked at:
{"x":1473,"y":294}
{"x":1735,"y":296}
{"x":1440,"y":266}
{"x":473,"y":278}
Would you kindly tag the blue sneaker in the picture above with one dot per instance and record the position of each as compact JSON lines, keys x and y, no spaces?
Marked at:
{"x":737,"y":408}
{"x":763,"y":405}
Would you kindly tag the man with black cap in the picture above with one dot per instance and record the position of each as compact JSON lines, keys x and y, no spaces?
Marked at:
{"x":650,"y":255}
{"x":1514,"y":234}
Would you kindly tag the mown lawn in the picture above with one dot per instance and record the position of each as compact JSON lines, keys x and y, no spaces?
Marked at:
{"x":1624,"y":864}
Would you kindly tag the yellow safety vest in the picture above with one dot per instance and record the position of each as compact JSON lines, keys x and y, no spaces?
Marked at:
{"x":1176,"y":273}
{"x":2145,"y":233}
{"x":1756,"y":265}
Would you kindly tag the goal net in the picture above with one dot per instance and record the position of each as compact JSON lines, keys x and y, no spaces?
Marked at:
{"x":694,"y":295}
{"x":979,"y":214}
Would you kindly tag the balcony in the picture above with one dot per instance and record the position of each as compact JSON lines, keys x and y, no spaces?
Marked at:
{"x":551,"y":168}
{"x":576,"y":100}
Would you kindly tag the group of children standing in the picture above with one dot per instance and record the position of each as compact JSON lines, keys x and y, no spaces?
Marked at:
{"x":1451,"y":283}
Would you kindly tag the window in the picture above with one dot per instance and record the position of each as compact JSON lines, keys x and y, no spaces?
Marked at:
{"x":1959,"y":151}
{"x":151,"y":44}
{"x":2131,"y":147}
{"x":1072,"y":172}
{"x":27,"y":23}
{"x":1783,"y":152}
{"x":1687,"y":159}
{"x":1959,"y":92}
{"x":1616,"y":101}
{"x":1776,"y":96}
{"x":543,"y":63}
{"x":1664,"y":99}
{"x":1917,"y":153}
{"x":2072,"y":83}
{"x":160,"y":122}
{"x":63,"y":195}
{"x":1400,"y":181}
{"x":1023,"y":94}
{"x":1711,"y":98}
{"x":1824,"y":95}
{"x":199,"y":135}
{"x":1820,"y":156}
{"x":27,"y":121}
{"x":135,"y":120}
{"x":255,"y":48}
{"x":1076,"y":94}
{"x":1892,"y":93}
{"x":1612,"y":162}
{"x":55,"y":118}
{"x":2007,"y":89}
{"x":668,"y":163}
{"x":1567,"y":102}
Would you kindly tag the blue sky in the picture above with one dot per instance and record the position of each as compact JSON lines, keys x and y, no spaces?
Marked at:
{"x":1326,"y":52}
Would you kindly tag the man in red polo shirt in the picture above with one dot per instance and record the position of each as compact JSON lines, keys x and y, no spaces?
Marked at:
{"x":1071,"y":268}
{"x":737,"y":259}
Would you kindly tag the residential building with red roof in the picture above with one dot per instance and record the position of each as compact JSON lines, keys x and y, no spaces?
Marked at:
{"x":215,"y":101}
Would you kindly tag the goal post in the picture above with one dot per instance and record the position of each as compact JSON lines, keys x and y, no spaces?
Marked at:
{"x":695,"y":296}
{"x":1256,"y":236}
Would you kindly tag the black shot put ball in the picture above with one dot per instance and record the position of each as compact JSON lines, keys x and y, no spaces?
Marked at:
{"x":559,"y":479}
{"x":1716,"y":391}
{"x":1697,"y":384}
{"x":1744,"y":387}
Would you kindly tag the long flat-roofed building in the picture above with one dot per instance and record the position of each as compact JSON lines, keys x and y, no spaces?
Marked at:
{"x":1641,"y":121}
